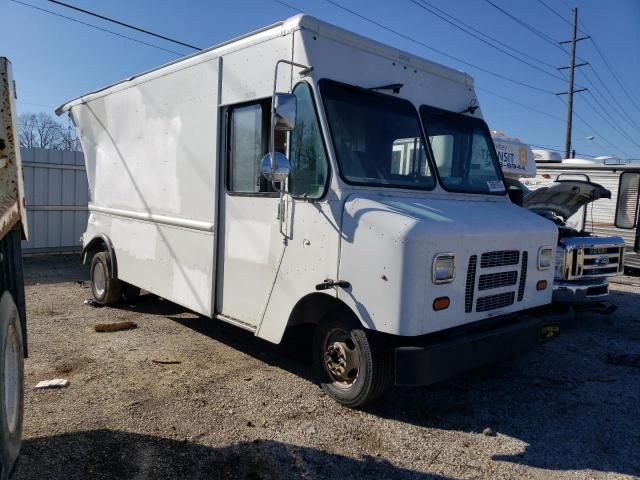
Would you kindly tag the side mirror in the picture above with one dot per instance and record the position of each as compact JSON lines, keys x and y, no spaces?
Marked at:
{"x":516,"y":195}
{"x":627,"y":204}
{"x":278,"y":171}
{"x":284,"y":108}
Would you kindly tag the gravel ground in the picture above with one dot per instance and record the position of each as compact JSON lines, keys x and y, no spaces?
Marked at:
{"x":233,"y":406}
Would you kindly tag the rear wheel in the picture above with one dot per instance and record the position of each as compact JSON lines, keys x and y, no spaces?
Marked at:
{"x":354,"y":364}
{"x":11,"y":384}
{"x":105,"y":289}
{"x":130,"y":292}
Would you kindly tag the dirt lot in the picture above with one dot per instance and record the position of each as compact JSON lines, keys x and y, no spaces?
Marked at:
{"x":232,"y":406}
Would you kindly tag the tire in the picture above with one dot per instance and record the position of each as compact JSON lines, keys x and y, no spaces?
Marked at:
{"x":11,"y":384}
{"x":355,"y":365}
{"x":130,"y":292}
{"x":105,"y":289}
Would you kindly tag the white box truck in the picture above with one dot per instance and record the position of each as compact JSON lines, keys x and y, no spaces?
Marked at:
{"x":13,"y":324}
{"x":302,"y":174}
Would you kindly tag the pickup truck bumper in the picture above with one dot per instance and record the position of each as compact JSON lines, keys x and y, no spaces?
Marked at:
{"x":580,"y":291}
{"x":426,"y":361}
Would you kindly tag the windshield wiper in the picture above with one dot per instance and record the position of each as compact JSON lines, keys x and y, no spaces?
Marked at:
{"x":394,"y":87}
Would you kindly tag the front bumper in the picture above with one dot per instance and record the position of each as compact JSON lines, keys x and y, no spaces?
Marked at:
{"x":427,"y":361}
{"x":580,"y":291}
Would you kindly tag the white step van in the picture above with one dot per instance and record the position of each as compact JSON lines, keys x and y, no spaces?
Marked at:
{"x":302,"y":174}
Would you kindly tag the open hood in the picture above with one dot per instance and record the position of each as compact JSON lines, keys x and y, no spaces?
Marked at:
{"x":564,"y":197}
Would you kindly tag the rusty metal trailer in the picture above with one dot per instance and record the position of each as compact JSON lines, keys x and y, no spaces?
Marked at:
{"x":13,"y":325}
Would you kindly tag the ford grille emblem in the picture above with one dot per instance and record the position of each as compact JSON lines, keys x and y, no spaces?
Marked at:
{"x":602,"y":261}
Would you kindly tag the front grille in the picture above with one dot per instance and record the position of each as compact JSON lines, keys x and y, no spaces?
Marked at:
{"x":497,"y":280}
{"x":523,"y":275}
{"x":471,"y":278}
{"x":492,"y":302}
{"x":600,"y":261}
{"x":499,"y":258}
{"x":483,"y":282}
{"x":602,"y":251}
{"x":593,"y":272}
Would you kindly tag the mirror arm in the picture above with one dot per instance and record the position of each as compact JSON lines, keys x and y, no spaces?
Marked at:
{"x":305,"y":70}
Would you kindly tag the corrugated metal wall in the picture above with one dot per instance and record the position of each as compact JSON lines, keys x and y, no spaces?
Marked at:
{"x":57,"y":194}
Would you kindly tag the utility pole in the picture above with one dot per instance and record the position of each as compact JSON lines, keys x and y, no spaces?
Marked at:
{"x":571,"y":91}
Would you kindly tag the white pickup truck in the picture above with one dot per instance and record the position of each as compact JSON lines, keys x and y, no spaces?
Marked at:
{"x":13,"y":326}
{"x":584,"y":261}
{"x":305,"y":175}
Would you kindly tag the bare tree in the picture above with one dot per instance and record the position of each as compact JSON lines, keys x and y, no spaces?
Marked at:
{"x":42,"y":130}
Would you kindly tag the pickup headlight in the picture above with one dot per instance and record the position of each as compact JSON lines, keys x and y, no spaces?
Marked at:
{"x":558,"y":273}
{"x":444,"y":268}
{"x":545,"y":258}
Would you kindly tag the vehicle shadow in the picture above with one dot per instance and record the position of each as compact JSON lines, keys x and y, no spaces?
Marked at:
{"x":107,"y":454}
{"x":54,"y":269}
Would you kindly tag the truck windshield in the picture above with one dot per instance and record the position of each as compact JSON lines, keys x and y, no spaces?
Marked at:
{"x":377,"y":138}
{"x":463,"y":152}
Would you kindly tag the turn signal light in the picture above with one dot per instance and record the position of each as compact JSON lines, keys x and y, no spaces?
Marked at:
{"x":441,"y":303}
{"x":541,"y":285}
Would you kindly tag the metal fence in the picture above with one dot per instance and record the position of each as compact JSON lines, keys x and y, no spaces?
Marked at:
{"x":57,"y":193}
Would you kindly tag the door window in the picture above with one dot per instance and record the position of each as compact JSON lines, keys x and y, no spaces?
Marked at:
{"x":248,"y":143}
{"x":309,"y":168}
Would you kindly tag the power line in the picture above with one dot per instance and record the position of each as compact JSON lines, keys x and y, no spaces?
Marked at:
{"x":290,"y":6}
{"x":619,"y":109}
{"x":614,"y":75}
{"x":524,"y":24}
{"x":423,"y":5}
{"x":117,"y":22}
{"x":624,"y":112}
{"x":597,"y":49}
{"x":418,"y":42}
{"x":612,"y":145}
{"x":528,"y":107}
{"x":97,"y":28}
{"x":612,"y":121}
{"x":499,"y":42}
{"x":541,"y":112}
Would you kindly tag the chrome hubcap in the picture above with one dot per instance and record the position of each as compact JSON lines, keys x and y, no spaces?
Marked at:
{"x":12,"y":378}
{"x":342,"y":358}
{"x":98,"y":279}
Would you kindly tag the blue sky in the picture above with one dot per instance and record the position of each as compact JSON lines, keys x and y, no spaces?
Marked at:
{"x":56,"y":59}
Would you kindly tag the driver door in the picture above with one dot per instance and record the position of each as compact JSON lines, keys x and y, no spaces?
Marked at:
{"x":251,"y":244}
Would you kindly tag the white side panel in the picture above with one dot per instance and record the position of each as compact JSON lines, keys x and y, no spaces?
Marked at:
{"x":151,"y":156}
{"x":248,"y":73}
{"x":311,"y":256}
{"x":163,"y":259}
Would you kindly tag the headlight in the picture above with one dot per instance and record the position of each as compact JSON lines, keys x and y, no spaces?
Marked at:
{"x":545,"y":258}
{"x":444,"y":268}
{"x":559,"y":268}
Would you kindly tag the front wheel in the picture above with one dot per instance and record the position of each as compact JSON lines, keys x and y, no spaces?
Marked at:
{"x":354,"y":364}
{"x":11,"y":384}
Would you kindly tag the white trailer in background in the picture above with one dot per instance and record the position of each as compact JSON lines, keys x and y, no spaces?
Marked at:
{"x":617,"y":215}
{"x":13,"y":323}
{"x":584,"y":262}
{"x":305,"y":175}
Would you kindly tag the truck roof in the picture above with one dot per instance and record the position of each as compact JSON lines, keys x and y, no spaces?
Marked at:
{"x":298,"y":22}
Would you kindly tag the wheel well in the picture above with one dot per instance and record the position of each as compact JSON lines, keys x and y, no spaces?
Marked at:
{"x":312,"y":308}
{"x":100,"y":243}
